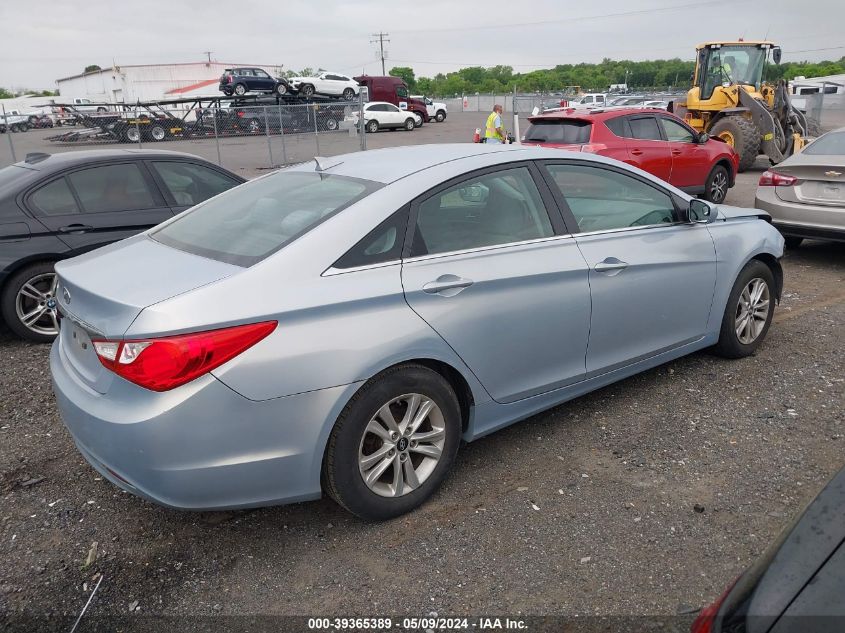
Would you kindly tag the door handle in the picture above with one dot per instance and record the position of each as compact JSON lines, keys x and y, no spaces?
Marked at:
{"x":610,"y":266}
{"x":75,"y":228}
{"x":637,"y":152}
{"x":676,"y":152}
{"x":447,"y":285}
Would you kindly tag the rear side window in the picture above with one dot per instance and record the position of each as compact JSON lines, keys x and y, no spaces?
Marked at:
{"x":645,"y":128}
{"x":832,"y":144}
{"x":563,"y":131}
{"x":54,"y":198}
{"x":382,"y":244}
{"x":190,"y":184}
{"x":619,"y":126}
{"x":112,"y":188}
{"x":246,"y":224}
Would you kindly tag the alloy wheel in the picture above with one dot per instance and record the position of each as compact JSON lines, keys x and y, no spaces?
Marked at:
{"x":35,"y":304}
{"x":719,"y":187}
{"x":752,"y":311}
{"x":402,"y":445}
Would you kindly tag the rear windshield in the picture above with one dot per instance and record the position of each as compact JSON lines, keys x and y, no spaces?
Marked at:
{"x":246,"y":224}
{"x":563,"y":131}
{"x":832,"y":144}
{"x":13,"y":173}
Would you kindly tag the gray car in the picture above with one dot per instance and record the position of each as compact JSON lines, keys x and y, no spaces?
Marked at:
{"x":339,"y":326}
{"x":805,"y":194}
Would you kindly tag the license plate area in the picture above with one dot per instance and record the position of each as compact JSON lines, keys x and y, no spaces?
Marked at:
{"x":78,"y":348}
{"x":823,"y":191}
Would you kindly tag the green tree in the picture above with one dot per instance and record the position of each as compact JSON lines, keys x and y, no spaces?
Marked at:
{"x":406,"y":73}
{"x":92,"y":68}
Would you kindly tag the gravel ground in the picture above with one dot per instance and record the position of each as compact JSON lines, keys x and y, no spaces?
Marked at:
{"x":644,"y":498}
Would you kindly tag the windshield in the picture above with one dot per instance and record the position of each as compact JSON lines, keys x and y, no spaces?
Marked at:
{"x":733,"y":65}
{"x":832,"y":144}
{"x":562,"y":131}
{"x":250,"y":222}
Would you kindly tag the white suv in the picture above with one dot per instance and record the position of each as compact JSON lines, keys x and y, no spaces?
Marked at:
{"x":327,"y":84}
{"x":436,"y":109}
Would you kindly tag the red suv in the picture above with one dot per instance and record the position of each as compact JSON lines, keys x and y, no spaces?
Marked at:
{"x":653,"y":140}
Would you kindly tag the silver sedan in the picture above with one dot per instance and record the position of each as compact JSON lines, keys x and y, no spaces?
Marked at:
{"x":340,"y":326}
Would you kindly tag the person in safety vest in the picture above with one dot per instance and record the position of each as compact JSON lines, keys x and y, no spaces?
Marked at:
{"x":495,"y":130}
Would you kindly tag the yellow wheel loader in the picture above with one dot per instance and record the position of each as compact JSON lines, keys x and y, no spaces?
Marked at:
{"x":730,"y":100}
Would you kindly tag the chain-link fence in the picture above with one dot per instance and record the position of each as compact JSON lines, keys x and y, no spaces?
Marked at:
{"x":247,"y":135}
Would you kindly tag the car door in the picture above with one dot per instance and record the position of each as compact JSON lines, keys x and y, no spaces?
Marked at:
{"x":92,"y":206}
{"x":489,"y":266}
{"x":262,"y":81}
{"x":185,"y":184}
{"x":652,"y":277}
{"x":690,"y":161}
{"x":324,"y":84}
{"x":394,"y":116}
{"x":646,"y":147}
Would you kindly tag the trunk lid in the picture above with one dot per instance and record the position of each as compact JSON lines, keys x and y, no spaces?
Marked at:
{"x":819,"y":182}
{"x":102,"y":292}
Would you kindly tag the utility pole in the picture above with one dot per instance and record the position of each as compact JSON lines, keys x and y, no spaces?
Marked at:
{"x":208,"y":54}
{"x":380,"y":41}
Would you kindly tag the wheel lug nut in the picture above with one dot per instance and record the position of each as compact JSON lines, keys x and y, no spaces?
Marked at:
{"x":413,"y":443}
{"x":394,"y":435}
{"x":391,"y":453}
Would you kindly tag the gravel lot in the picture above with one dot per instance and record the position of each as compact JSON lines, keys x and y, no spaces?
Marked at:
{"x":644,"y":498}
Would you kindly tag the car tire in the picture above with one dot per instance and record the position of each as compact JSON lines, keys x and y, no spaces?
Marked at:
{"x":330,"y":124}
{"x":418,"y":119}
{"x":254,"y":126}
{"x":744,"y":329}
{"x":348,"y":94}
{"x":17,"y":300}
{"x":158,"y":133}
{"x":227,"y":92}
{"x":371,"y":126}
{"x":281,"y":89}
{"x":440,"y":116}
{"x":410,"y":124}
{"x":240,"y":89}
{"x":131,"y":134}
{"x":306,"y":90}
{"x":717,"y":185}
{"x":373,"y":465}
{"x":792,"y":241}
{"x":742,"y":135}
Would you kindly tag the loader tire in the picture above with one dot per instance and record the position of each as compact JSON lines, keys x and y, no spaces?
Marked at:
{"x":742,"y":134}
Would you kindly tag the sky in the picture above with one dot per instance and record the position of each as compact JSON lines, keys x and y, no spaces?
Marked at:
{"x":60,"y":38}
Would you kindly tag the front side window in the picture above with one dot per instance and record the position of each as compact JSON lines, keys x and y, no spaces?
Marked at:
{"x":645,"y":128}
{"x":602,"y":199}
{"x":190,"y":184}
{"x":675,"y":131}
{"x":391,"y":108}
{"x":496,"y":208}
{"x":262,"y":74}
{"x":402,"y":92}
{"x":246,"y":224}
{"x":54,"y":198}
{"x":112,"y":188}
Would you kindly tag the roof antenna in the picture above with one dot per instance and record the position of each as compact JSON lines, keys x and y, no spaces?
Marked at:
{"x":325,"y":163}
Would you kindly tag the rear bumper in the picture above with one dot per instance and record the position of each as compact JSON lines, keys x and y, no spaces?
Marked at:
{"x":200,"y":446}
{"x":802,"y":220}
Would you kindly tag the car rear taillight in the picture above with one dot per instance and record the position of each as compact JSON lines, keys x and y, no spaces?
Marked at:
{"x":704,"y":622}
{"x":240,"y":114}
{"x":775,"y":179}
{"x":160,"y":364}
{"x":593,"y":148}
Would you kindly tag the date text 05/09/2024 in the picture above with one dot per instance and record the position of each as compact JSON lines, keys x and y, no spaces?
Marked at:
{"x":417,"y":624}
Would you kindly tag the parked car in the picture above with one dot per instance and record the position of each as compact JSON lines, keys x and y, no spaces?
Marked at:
{"x":380,"y":115}
{"x":14,"y":121}
{"x":805,"y":194}
{"x":327,"y":84}
{"x":57,"y":206}
{"x":393,"y":275}
{"x":653,"y":140}
{"x":394,"y":90}
{"x":797,"y":584}
{"x":588,"y":101}
{"x":40,"y":121}
{"x":239,"y":81}
{"x":436,"y":109}
{"x":262,"y":115}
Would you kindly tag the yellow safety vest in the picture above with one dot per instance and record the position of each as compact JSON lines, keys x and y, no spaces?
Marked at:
{"x":490,"y":131}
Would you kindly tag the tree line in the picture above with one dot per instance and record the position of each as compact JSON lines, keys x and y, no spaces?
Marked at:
{"x":661,"y":73}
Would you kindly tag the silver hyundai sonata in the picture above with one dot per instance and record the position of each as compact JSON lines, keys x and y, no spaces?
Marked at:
{"x":339,"y":326}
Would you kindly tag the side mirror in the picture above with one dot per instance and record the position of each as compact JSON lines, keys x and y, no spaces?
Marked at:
{"x":700,"y":212}
{"x":776,"y":53}
{"x":703,"y":138}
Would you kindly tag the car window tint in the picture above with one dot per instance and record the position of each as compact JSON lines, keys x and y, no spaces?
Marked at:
{"x":244,"y":225}
{"x":563,"y":131}
{"x":831,"y":144}
{"x":112,"y":188}
{"x":645,"y":128}
{"x":619,"y":126}
{"x":402,"y":91}
{"x":602,"y":199}
{"x":382,"y":244}
{"x":262,"y":74}
{"x":675,"y":131}
{"x":54,"y":198}
{"x":390,"y":108}
{"x":190,"y":184}
{"x":496,"y":208}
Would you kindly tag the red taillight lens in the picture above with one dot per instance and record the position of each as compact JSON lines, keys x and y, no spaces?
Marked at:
{"x":160,"y":364}
{"x":704,"y":622}
{"x":240,"y":114}
{"x":593,"y":148}
{"x":774,"y":179}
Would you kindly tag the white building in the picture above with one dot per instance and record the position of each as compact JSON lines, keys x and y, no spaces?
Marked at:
{"x":829,"y":85}
{"x":131,"y":83}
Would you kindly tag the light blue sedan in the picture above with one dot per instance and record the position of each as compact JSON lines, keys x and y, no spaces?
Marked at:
{"x":339,"y":326}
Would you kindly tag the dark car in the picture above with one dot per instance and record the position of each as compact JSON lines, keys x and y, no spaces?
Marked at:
{"x":798,"y":584}
{"x":266,"y":114}
{"x":57,"y":206}
{"x":239,"y":81}
{"x":653,"y":140}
